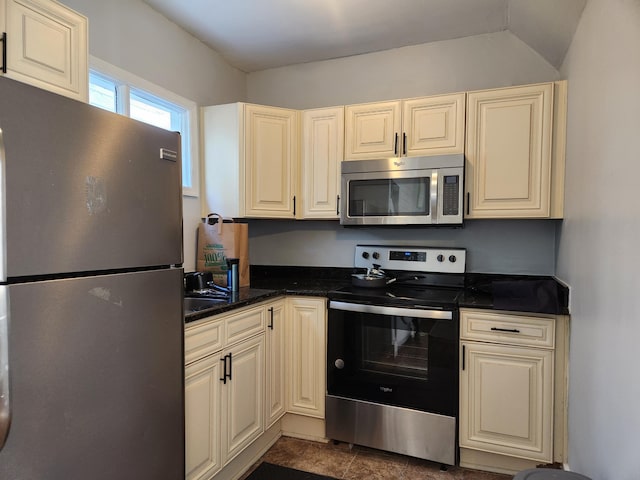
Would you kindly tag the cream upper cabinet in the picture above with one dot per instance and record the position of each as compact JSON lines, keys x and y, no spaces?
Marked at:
{"x":412,"y":127}
{"x":250,"y":160}
{"x":275,"y":362}
{"x":433,"y":125}
{"x":510,"y":153}
{"x":507,"y":384}
{"x":306,"y":356}
{"x":271,"y":159}
{"x":322,"y":153}
{"x":46,"y":46}
{"x":372,"y":130}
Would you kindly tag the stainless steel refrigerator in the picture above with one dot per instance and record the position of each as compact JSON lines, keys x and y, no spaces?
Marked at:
{"x":91,"y":326}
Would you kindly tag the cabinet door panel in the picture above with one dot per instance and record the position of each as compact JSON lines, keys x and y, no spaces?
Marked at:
{"x":434,"y":125}
{"x":242,"y":398}
{"x":371,"y":130}
{"x":509,"y":152}
{"x":274,"y":388}
{"x":506,"y":401}
{"x":47,"y":46}
{"x":270,"y":155}
{"x":322,"y":153}
{"x":306,"y":358}
{"x":202,"y":412}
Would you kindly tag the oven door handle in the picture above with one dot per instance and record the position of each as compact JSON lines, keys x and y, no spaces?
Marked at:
{"x":394,"y":311}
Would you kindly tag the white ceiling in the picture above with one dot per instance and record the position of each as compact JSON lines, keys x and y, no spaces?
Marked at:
{"x":254,"y":35}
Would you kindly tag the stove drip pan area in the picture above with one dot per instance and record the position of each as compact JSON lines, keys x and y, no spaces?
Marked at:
{"x":395,"y":429}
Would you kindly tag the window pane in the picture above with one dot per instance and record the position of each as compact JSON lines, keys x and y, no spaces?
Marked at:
{"x":102,"y":92}
{"x":151,"y":112}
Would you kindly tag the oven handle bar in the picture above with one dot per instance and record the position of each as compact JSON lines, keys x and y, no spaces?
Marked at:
{"x":394,"y":311}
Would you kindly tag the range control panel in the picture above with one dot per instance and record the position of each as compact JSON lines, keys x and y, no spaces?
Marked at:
{"x":412,"y":258}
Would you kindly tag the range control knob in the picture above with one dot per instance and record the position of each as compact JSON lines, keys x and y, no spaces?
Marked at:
{"x":339,"y":363}
{"x":441,"y":258}
{"x":452,"y":258}
{"x":376,"y":255}
{"x":365,"y":254}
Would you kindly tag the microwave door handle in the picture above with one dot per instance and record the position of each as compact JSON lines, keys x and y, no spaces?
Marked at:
{"x":433,"y":209}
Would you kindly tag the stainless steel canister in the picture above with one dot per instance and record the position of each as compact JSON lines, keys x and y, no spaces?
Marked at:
{"x":233,"y":268}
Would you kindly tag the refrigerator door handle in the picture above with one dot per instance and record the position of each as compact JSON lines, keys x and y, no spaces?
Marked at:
{"x":3,"y":202}
{"x":5,"y":406}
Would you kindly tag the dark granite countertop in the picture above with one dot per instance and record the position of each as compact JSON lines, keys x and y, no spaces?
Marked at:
{"x":521,"y":293}
{"x":246,"y":296}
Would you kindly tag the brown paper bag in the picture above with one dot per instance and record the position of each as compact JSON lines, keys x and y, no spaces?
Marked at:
{"x":219,"y":241}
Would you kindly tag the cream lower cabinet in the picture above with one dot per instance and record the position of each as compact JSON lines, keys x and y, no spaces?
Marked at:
{"x":412,"y":127}
{"x":250,"y":160}
{"x":507,"y":384}
{"x":515,"y":152}
{"x":322,"y":153}
{"x":202,"y":417}
{"x":306,"y":355}
{"x":46,"y":46}
{"x":224,"y":388}
{"x":275,"y":363}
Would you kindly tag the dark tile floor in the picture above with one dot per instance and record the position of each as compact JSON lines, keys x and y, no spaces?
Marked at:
{"x":360,"y":463}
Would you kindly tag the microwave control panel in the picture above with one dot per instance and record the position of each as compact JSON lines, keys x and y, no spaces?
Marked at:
{"x":451,"y":195}
{"x":412,"y":258}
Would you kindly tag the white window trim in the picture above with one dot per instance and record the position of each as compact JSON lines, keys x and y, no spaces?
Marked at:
{"x":190,"y":106}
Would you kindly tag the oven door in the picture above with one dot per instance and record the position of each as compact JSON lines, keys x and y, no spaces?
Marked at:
{"x":406,"y":357}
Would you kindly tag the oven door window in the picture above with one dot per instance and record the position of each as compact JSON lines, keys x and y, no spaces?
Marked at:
{"x":400,"y":348}
{"x":389,"y":197}
{"x":397,"y":360}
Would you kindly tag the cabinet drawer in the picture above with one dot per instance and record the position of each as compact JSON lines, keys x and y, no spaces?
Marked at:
{"x":244,"y":324}
{"x":203,"y":339}
{"x":489,"y":326}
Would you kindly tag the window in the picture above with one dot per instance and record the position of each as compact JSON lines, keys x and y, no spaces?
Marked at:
{"x":121,"y":92}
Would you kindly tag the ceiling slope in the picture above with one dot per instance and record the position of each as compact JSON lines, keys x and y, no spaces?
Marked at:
{"x":255,"y":35}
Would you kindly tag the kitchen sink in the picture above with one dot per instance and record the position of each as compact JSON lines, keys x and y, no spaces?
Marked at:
{"x":192,"y":304}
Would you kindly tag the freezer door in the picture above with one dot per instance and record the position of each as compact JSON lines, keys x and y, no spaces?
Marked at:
{"x":96,"y":378}
{"x":84,"y":189}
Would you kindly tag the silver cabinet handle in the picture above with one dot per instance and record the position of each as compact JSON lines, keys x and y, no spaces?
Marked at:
{"x":5,"y":406}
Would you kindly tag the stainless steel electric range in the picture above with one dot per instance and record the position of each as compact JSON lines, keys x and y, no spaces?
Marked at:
{"x":392,"y":352}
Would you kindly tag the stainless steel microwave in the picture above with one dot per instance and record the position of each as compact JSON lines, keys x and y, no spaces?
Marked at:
{"x":403,"y":191}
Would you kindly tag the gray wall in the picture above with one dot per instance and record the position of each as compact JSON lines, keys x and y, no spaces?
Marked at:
{"x":471,"y":63}
{"x":598,"y":241}
{"x":482,"y":61}
{"x":131,"y":35}
{"x":493,"y":246}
